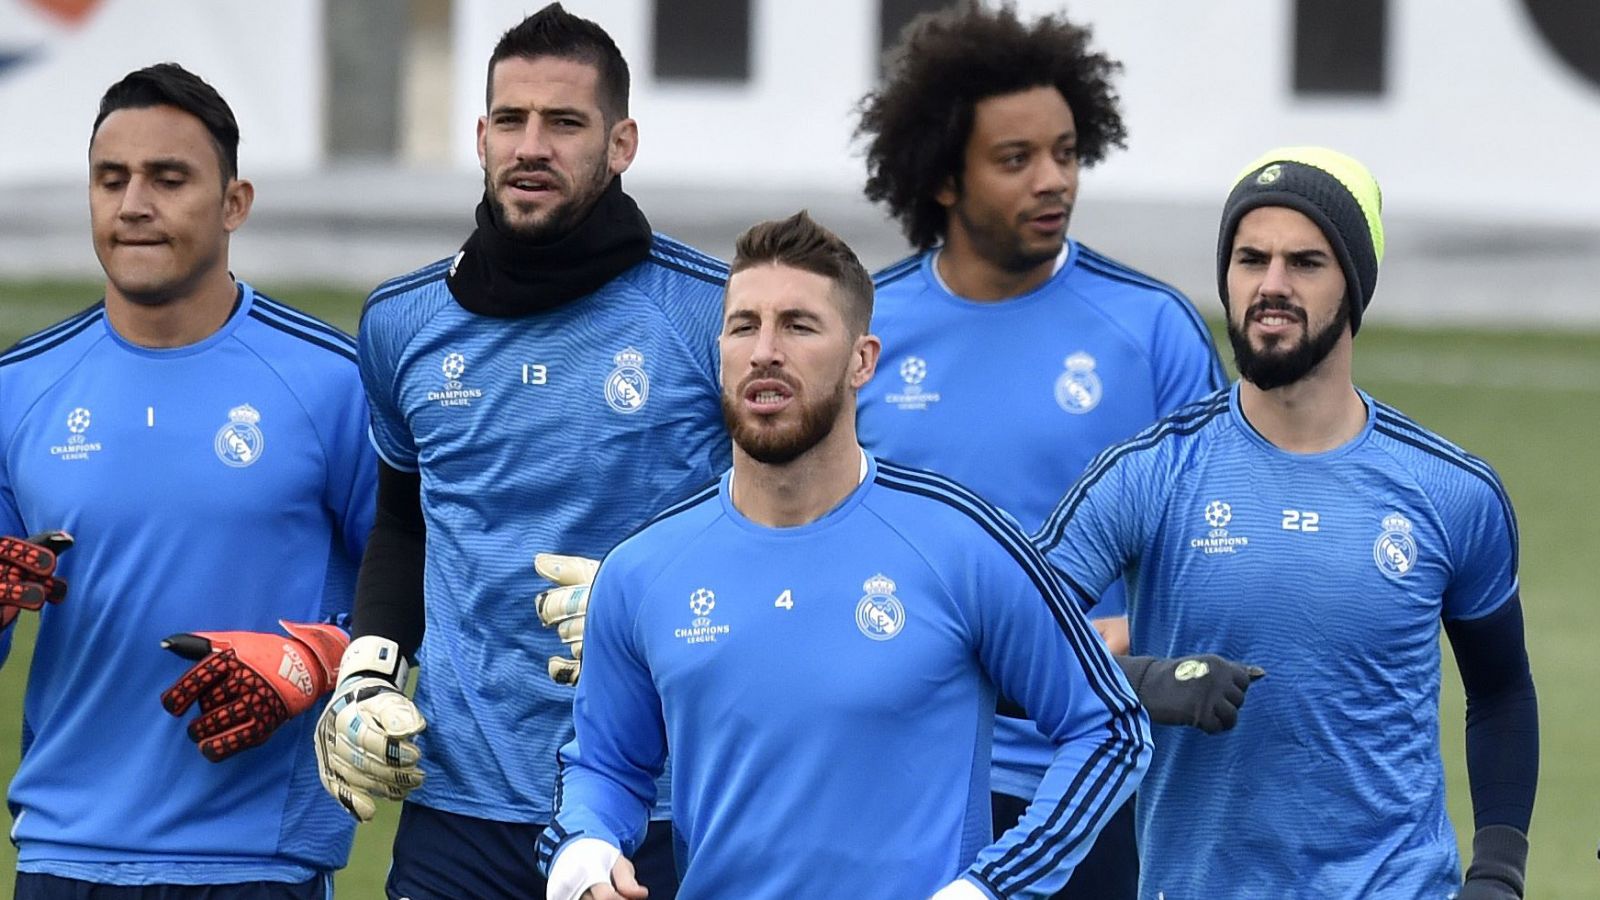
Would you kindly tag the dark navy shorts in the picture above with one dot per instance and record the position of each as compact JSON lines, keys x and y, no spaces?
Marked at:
{"x":1109,"y":872}
{"x":31,"y":886}
{"x":445,"y":856}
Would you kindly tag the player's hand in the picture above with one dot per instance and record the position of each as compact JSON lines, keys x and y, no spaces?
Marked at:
{"x":27,"y":573}
{"x":248,"y":683}
{"x":564,"y":608}
{"x":363,"y":740}
{"x":960,"y":889}
{"x":1203,"y":691}
{"x":624,"y":884}
{"x":1499,"y":861}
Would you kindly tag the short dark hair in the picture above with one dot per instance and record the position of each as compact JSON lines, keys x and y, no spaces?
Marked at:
{"x":920,"y":120}
{"x":169,"y":84}
{"x":553,"y":31}
{"x":800,"y":243}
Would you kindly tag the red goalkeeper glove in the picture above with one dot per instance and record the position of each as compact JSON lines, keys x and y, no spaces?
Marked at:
{"x":27,"y":573}
{"x":249,"y":683}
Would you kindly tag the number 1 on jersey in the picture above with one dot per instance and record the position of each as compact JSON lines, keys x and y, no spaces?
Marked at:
{"x":785,"y":600}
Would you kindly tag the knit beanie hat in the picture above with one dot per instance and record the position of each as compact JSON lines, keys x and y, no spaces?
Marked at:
{"x":1332,"y":190}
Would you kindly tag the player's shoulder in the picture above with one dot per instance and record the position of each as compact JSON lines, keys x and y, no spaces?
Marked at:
{"x":674,"y":272}
{"x":666,"y":533}
{"x":402,"y":295}
{"x":900,"y":276}
{"x":51,"y":349}
{"x":298,"y":336}
{"x":1172,"y":441}
{"x":923,"y":502}
{"x":1098,"y":268}
{"x":1448,"y":473}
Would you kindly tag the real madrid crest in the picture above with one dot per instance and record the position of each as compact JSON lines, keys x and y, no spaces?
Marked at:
{"x":628,"y":387}
{"x":1395,"y":550}
{"x":1078,"y":389}
{"x":240,"y":442}
{"x":880,"y":615}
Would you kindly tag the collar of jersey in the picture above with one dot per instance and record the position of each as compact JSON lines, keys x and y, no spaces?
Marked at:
{"x":1066,"y":261}
{"x":826,"y":520}
{"x":241,"y":308}
{"x":1255,"y":437}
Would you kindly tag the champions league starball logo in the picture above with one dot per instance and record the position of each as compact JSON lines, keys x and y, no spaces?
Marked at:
{"x":1395,"y":550}
{"x":701,"y":630}
{"x":240,"y":442}
{"x":628,"y":387}
{"x":880,"y":615}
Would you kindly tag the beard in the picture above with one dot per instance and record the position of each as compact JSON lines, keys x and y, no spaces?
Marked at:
{"x":1278,"y":365}
{"x":559,"y":220}
{"x":1001,"y":242}
{"x":779,"y":445}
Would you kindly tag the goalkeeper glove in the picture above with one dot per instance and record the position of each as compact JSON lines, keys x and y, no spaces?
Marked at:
{"x":363,"y":741}
{"x":27,"y":573}
{"x":1201,"y":691}
{"x":1499,"y":859}
{"x":564,"y":608}
{"x":248,"y":683}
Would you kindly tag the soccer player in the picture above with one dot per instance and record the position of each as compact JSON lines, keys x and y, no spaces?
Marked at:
{"x":1016,"y":353}
{"x":206,"y":446}
{"x":1296,"y":521}
{"x":548,"y":389}
{"x":819,"y":637}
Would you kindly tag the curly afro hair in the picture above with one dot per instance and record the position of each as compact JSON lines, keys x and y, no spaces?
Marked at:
{"x":920,"y":120}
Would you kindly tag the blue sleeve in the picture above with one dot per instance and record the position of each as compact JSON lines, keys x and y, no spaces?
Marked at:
{"x":1113,"y":601}
{"x":1038,"y":648}
{"x":351,"y":492}
{"x":379,"y":348}
{"x":1097,"y":530}
{"x":1186,"y":361}
{"x":608,"y":771}
{"x":11,"y":525}
{"x":1483,"y":548}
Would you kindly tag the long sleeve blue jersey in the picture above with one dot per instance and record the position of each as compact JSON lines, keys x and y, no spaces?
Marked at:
{"x":1332,"y":571}
{"x":218,"y":486}
{"x":560,"y":431}
{"x":1014,"y":398}
{"x":827,"y":693}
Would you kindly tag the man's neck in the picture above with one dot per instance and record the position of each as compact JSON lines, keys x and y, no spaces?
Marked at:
{"x":969,"y":275}
{"x":185,"y":319}
{"x":803,"y":490}
{"x":1320,"y":412}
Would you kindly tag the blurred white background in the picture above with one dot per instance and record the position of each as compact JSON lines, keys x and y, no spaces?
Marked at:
{"x":1481,"y":119}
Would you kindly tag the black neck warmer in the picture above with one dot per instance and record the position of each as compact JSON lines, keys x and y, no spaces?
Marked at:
{"x":500,"y":274}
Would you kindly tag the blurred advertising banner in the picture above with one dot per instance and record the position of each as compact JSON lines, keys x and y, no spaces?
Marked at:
{"x":1487,"y":108}
{"x":58,"y":56}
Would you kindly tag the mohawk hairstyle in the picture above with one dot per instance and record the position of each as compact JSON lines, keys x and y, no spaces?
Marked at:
{"x":918,"y":123}
{"x":552,"y":31}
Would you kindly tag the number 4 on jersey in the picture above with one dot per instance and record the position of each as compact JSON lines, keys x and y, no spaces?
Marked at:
{"x":785,"y":600}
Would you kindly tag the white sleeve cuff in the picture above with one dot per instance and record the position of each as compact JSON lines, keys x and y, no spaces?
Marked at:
{"x":960,"y":889}
{"x":579,"y":866}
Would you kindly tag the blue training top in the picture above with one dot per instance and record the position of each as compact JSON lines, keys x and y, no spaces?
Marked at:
{"x":1013,"y":398}
{"x":1332,"y":571}
{"x":830,"y":688}
{"x":218,"y":486}
{"x":560,"y":431}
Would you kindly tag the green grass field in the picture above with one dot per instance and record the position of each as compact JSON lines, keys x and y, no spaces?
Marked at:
{"x":1527,"y":402}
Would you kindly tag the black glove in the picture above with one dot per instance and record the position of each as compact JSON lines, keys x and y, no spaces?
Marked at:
{"x":1201,"y":691}
{"x":1499,"y":859}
